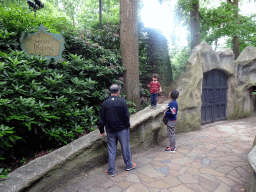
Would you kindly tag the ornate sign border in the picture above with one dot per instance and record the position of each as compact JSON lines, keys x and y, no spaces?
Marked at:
{"x":58,"y":37}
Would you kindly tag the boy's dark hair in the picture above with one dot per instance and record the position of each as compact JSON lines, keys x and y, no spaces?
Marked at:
{"x":155,"y":75}
{"x":174,"y":94}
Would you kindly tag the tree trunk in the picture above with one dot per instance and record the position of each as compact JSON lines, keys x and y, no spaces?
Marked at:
{"x":194,"y":23}
{"x":130,"y":49}
{"x":235,"y":41}
{"x":236,"y":46}
{"x":73,"y":19}
{"x":100,"y":14}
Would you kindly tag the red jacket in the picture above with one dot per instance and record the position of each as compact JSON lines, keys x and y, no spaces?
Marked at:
{"x":154,"y":87}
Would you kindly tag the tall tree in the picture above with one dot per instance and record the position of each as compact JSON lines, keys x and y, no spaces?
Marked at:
{"x":130,"y":49}
{"x":194,"y":23}
{"x":223,"y":21}
{"x":100,"y":14}
{"x":71,"y":8}
{"x":235,"y":41}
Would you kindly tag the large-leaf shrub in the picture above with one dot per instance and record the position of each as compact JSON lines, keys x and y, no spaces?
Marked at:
{"x":108,"y":36}
{"x":43,"y":106}
{"x":19,"y":20}
{"x":49,"y":105}
{"x":15,"y":20}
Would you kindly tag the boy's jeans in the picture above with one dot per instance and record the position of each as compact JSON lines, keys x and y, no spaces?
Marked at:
{"x":123,"y":138}
{"x":153,"y":98}
{"x":171,"y":132}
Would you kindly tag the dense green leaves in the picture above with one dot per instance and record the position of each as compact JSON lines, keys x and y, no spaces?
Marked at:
{"x":221,"y":22}
{"x":50,"y":102}
{"x":17,"y":20}
{"x":49,"y":105}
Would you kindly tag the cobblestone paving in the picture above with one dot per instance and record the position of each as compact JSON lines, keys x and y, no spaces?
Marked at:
{"x":212,"y":159}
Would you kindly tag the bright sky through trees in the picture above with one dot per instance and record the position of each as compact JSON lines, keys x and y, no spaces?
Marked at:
{"x":159,"y":16}
{"x":248,"y":8}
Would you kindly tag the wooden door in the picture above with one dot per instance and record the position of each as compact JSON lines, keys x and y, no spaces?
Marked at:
{"x":214,"y":97}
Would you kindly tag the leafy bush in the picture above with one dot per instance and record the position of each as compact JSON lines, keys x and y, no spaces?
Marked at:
{"x":44,"y":106}
{"x":7,"y":139}
{"x":17,"y":19}
{"x":50,"y":102}
{"x":7,"y":40}
{"x":108,"y":36}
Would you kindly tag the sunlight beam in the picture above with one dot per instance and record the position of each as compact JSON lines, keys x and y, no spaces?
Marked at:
{"x":161,"y":17}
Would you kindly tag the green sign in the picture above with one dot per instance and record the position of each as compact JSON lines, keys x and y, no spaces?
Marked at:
{"x":48,"y":45}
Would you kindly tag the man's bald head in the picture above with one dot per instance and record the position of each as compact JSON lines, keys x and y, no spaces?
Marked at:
{"x":114,"y":89}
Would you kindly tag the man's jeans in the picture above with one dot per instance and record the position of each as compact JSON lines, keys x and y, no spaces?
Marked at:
{"x":153,"y":98}
{"x":123,"y":138}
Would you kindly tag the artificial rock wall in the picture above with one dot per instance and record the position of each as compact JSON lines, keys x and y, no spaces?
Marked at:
{"x":245,"y":67}
{"x":241,"y":76}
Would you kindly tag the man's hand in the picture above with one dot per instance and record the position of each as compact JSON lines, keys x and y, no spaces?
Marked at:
{"x":102,"y":134}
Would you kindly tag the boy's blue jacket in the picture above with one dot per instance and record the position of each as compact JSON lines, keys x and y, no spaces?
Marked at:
{"x":172,"y":110}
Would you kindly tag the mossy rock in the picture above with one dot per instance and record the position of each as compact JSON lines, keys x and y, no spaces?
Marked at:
{"x":239,"y":113}
{"x":254,"y":142}
{"x":188,"y":122}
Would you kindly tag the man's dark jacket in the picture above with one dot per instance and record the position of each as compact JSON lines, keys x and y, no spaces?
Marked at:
{"x":114,"y":115}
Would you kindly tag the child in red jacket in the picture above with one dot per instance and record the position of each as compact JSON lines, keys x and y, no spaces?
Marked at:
{"x":155,"y":87}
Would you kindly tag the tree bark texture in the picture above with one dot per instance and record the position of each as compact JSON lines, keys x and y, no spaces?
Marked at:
{"x":130,"y":49}
{"x":100,"y":14}
{"x":194,"y":23}
{"x":235,"y":41}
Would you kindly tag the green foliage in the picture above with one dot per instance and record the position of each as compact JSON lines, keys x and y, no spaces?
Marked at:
{"x":179,"y":57}
{"x":7,"y":140}
{"x":108,"y":36}
{"x":49,"y":105}
{"x":221,"y":22}
{"x":88,"y":16}
{"x":131,"y":107}
{"x":7,"y":40}
{"x":3,"y":172}
{"x":16,"y":19}
{"x":7,"y":136}
{"x":43,"y":103}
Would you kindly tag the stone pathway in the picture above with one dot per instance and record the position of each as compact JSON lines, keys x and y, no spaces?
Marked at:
{"x":212,"y":159}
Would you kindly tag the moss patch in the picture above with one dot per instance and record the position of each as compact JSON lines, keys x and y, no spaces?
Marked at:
{"x":188,"y":122}
{"x":239,"y":113}
{"x":254,"y":142}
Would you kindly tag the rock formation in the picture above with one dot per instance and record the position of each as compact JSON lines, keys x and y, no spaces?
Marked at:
{"x":241,"y":76}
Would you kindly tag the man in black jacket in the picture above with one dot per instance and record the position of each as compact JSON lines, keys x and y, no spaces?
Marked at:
{"x":115,"y":117}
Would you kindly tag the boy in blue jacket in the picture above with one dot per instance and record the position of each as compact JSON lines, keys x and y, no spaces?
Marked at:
{"x":171,"y":114}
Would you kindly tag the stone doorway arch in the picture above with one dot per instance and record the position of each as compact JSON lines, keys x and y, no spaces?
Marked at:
{"x":214,"y":96}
